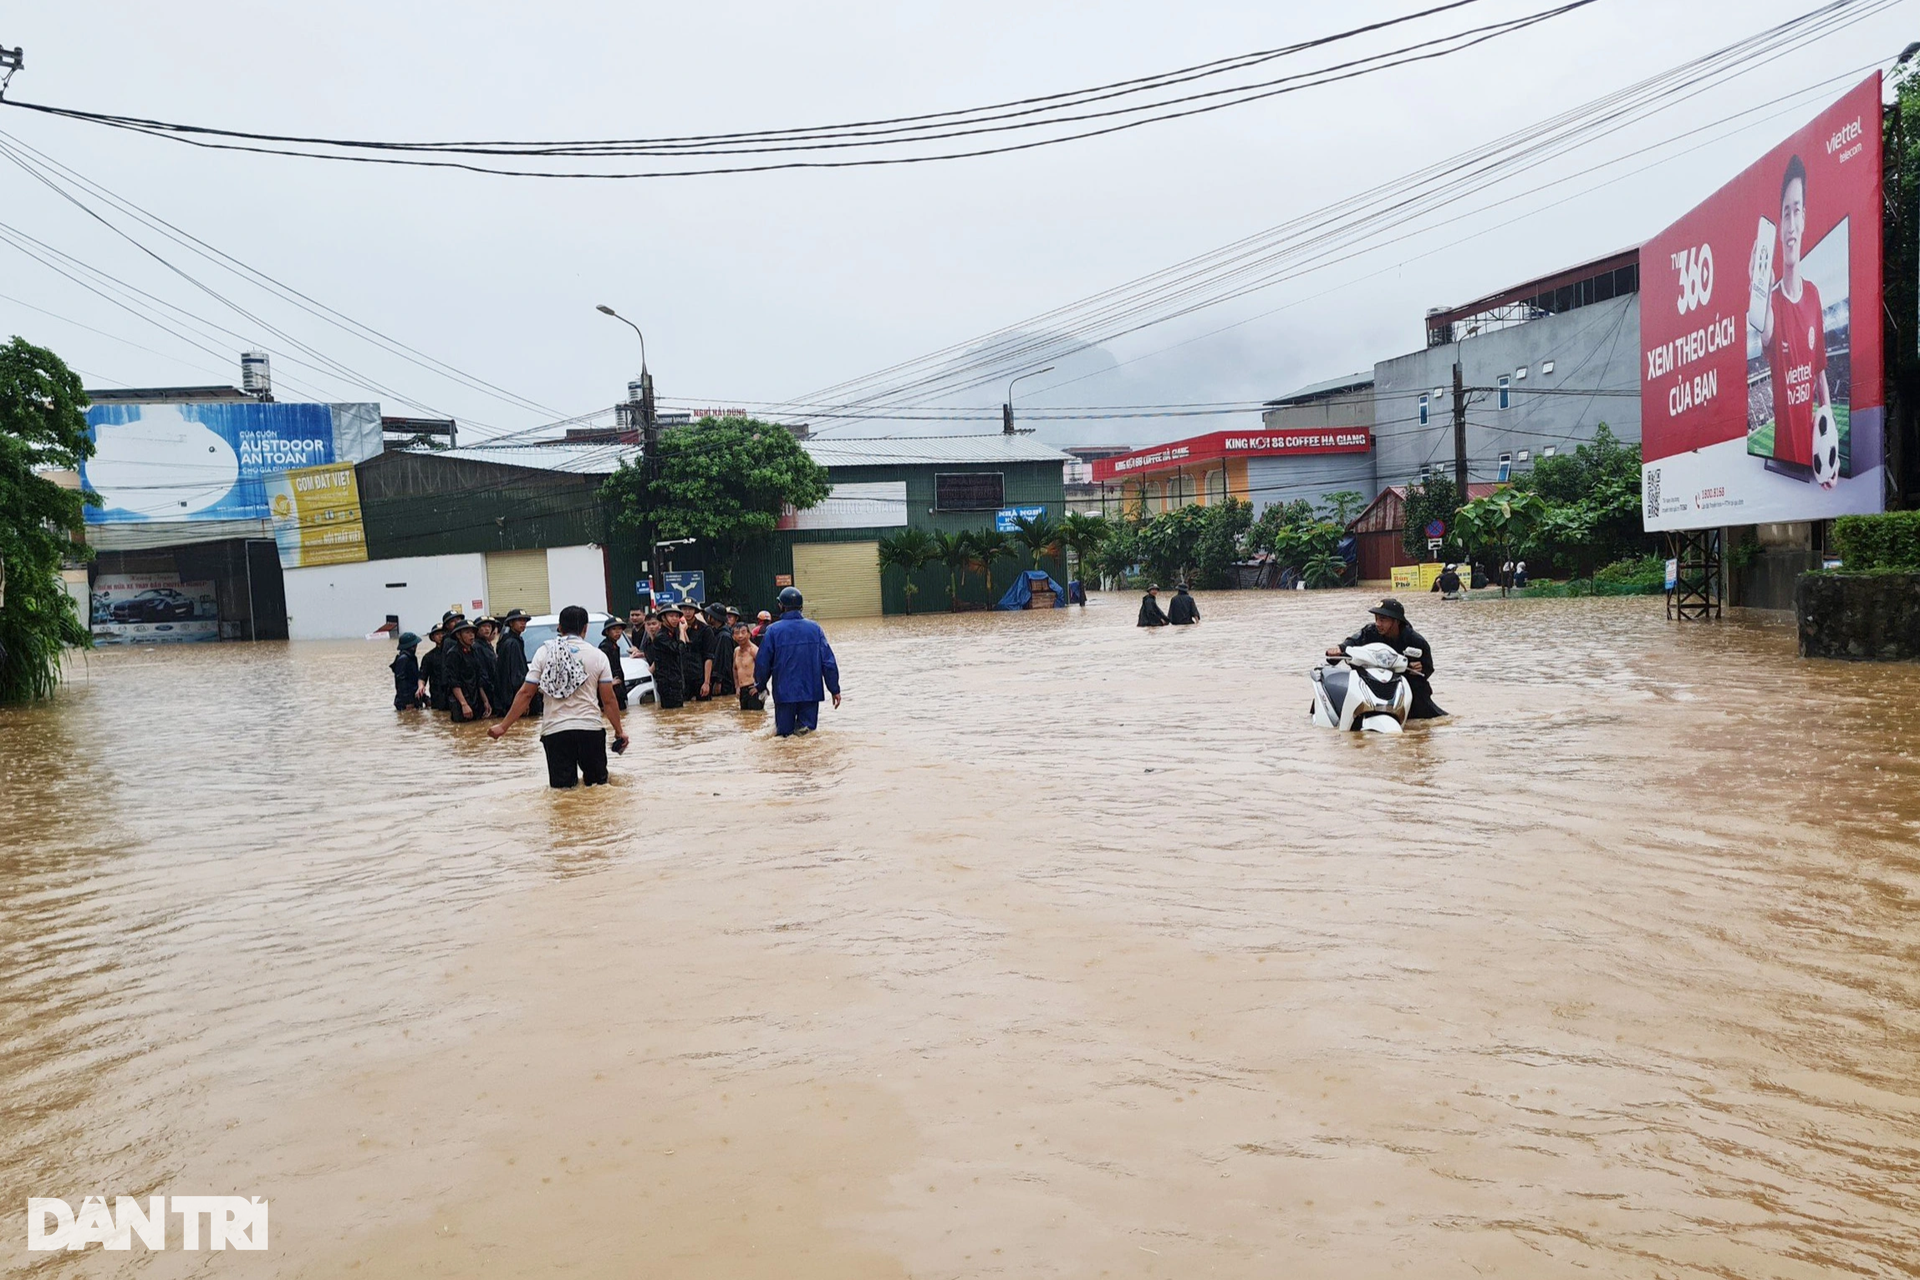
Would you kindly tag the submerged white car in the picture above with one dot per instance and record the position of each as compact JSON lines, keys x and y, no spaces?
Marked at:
{"x":545,"y":626}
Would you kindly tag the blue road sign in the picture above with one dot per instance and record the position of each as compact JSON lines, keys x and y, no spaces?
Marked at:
{"x":678,"y":588}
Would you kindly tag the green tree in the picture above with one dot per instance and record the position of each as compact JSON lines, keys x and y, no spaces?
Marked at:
{"x":955,"y":551}
{"x":722,"y":482}
{"x":1169,"y":540}
{"x":906,"y":551}
{"x":1502,"y":524}
{"x":989,"y":546}
{"x":1038,"y":536}
{"x":1223,"y":527}
{"x":1342,"y":505}
{"x":1118,"y":553}
{"x":1082,"y":532}
{"x":43,"y":427}
{"x":1594,"y":498}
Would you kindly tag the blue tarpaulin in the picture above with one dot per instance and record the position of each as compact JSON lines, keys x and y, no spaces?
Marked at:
{"x":1022,"y":591}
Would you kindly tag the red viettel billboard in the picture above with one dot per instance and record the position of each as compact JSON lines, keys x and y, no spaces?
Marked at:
{"x":1759,"y":400}
{"x":1221,"y":445}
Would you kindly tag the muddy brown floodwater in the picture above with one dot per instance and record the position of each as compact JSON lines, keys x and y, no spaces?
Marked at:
{"x":1065,"y":949}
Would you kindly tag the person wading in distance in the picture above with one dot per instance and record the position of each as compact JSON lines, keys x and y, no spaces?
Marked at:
{"x":577,"y":683}
{"x":1151,"y":615}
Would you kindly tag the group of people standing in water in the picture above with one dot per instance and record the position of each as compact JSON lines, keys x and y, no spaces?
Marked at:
{"x":1182,"y":611}
{"x":471,"y":671}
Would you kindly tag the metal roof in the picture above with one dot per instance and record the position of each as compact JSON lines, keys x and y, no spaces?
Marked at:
{"x":575,"y":459}
{"x":1351,"y":382}
{"x":604,"y":459}
{"x":907,"y":450}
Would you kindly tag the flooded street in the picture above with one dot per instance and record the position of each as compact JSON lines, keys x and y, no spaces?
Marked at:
{"x":1065,"y":949}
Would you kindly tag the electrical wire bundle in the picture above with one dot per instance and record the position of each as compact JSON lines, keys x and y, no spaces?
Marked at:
{"x":994,"y":129}
{"x":1347,"y":228}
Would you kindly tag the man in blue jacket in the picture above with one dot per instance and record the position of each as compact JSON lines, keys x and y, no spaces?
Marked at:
{"x":795,"y":655}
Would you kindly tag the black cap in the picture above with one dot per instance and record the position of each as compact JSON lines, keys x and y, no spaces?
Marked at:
{"x":611,"y":624}
{"x":1389,"y":608}
{"x":462,"y":625}
{"x":513,"y":614}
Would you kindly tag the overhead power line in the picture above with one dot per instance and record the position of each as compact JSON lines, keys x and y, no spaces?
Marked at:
{"x":1331,"y":233}
{"x":1050,"y":114}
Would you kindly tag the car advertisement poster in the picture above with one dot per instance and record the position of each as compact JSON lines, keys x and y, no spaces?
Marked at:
{"x":168,"y":462}
{"x":316,"y":516}
{"x":153,"y":608}
{"x":1759,"y":400}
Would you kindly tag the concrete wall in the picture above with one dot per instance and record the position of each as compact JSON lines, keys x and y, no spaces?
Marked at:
{"x":577,"y":575}
{"x":346,"y":601}
{"x":1594,"y":347}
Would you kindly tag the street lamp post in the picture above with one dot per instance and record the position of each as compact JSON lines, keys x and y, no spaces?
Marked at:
{"x":649,"y":437}
{"x":1006,"y":410}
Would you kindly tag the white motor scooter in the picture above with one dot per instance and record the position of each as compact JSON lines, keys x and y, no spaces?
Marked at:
{"x":1365,"y":690}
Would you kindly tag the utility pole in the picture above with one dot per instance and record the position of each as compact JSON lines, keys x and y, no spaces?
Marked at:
{"x":1459,"y":433}
{"x":649,"y":448}
{"x":1006,"y":409}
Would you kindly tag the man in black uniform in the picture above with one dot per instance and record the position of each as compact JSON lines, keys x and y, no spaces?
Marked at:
{"x":406,"y":674}
{"x":1389,"y":627}
{"x":665,"y":650}
{"x":466,"y":690}
{"x":485,"y":631}
{"x":1151,"y":615}
{"x":610,"y":636}
{"x":694,"y":653}
{"x":511,"y":655}
{"x":720,"y":650}
{"x":433,"y":669}
{"x":1184,"y":611}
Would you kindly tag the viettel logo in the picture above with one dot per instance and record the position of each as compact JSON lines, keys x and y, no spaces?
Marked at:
{"x":1695,"y":269}
{"x":233,"y":1222}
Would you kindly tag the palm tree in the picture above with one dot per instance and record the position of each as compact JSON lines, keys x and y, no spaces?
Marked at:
{"x":906,"y":551}
{"x":1082,"y":533}
{"x":1037,"y":535}
{"x":990,"y":545}
{"x":955,"y":551}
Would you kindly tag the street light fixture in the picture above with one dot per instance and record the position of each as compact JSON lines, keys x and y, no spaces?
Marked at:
{"x":606,"y":310}
{"x":1006,"y":410}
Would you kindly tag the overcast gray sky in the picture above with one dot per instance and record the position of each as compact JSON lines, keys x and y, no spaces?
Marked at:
{"x":764,"y":287}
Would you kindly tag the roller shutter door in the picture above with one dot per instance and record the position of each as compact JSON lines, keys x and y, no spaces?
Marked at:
{"x":517,"y":580}
{"x":838,"y":579}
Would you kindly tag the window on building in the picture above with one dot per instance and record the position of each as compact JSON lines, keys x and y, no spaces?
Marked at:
{"x":1546,"y":367}
{"x":969,"y":491}
{"x":1426,"y":473}
{"x":1156,"y":492}
{"x":1217,"y":486}
{"x":1426,"y":409}
{"x":1520,"y":374}
{"x":1180,"y":490}
{"x":1506,"y":467}
{"x":1506,"y":392}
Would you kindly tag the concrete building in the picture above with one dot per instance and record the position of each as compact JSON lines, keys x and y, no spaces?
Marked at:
{"x":1317,"y":441}
{"x":494,"y":527}
{"x":1546,"y":362}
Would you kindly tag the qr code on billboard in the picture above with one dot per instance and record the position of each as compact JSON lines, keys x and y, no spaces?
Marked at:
{"x":1650,"y":500}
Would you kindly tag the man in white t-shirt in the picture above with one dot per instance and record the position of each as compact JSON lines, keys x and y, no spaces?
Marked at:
{"x":576,"y":682}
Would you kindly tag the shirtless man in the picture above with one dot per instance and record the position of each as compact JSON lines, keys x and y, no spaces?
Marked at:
{"x":744,"y":652}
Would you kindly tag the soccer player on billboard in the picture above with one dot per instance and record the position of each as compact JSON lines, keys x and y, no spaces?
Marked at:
{"x":1792,"y":328}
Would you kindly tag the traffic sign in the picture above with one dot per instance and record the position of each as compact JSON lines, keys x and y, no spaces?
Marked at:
{"x":678,"y":588}
{"x":1436,"y":528}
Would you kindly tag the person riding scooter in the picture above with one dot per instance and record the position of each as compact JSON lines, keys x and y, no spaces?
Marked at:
{"x":1390,"y":627}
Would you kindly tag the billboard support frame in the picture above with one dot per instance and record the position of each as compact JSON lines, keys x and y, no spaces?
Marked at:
{"x":1699,"y":584}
